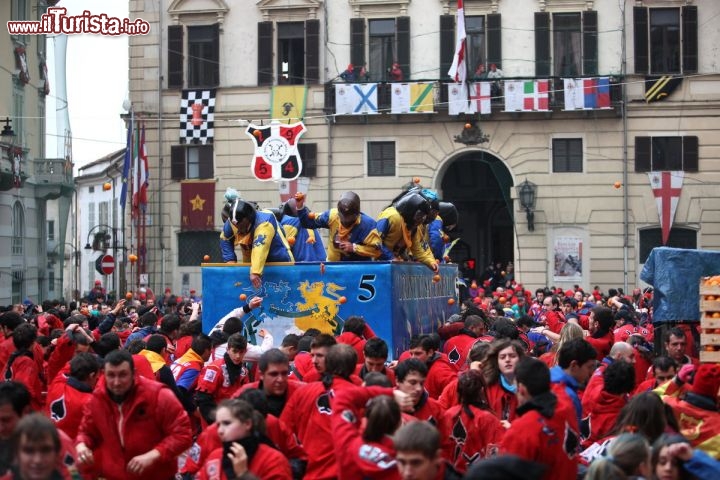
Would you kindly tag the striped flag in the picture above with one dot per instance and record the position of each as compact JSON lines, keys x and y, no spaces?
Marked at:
{"x":587,"y":93}
{"x":127,"y":162}
{"x":141,"y":175}
{"x":412,"y":98}
{"x":458,"y":69}
{"x":666,"y":188}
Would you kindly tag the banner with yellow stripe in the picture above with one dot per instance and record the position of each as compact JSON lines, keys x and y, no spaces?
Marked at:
{"x":287,"y":102}
{"x":412,"y":98}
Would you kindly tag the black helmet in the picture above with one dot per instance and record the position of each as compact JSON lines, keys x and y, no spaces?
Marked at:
{"x":449,"y":215}
{"x":278,"y":212}
{"x":413,"y":208}
{"x":289,"y":208}
{"x":241,"y":210}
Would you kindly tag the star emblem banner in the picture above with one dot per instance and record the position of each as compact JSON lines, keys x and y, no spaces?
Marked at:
{"x":198,"y":205}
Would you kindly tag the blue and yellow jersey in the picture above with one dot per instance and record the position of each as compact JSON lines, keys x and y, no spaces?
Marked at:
{"x":363,"y":234}
{"x":308,"y":246}
{"x":436,"y":237}
{"x":264,"y":243}
{"x":397,"y":239}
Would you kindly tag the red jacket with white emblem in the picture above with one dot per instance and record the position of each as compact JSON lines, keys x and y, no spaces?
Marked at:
{"x":469,"y":434}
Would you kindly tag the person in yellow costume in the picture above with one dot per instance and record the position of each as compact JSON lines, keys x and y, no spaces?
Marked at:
{"x":398,"y":228}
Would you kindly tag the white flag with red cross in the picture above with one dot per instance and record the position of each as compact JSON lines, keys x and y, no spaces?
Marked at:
{"x":666,"y":187}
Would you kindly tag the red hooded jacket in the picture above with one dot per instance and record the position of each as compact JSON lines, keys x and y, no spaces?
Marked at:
{"x":469,"y":434}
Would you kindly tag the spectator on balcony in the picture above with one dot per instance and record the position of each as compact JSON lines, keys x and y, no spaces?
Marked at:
{"x":495,"y":73}
{"x":480,"y":72}
{"x":349,"y":74}
{"x":396,"y":73}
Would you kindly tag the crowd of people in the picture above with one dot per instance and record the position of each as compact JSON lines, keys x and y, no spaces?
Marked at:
{"x":557,"y":385}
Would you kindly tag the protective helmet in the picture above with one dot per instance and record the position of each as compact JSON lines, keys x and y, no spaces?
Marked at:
{"x":278,"y":212}
{"x":449,"y":215}
{"x":289,"y":208}
{"x":431,"y":196}
{"x":413,"y":208}
{"x":241,"y":210}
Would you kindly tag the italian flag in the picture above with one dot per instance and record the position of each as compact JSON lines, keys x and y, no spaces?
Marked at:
{"x":535,"y":95}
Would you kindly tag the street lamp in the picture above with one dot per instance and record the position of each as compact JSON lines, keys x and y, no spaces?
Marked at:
{"x":527,"y":193}
{"x":100,"y":243}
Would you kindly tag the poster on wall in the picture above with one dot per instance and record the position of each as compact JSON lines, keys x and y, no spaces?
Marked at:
{"x":567,"y":255}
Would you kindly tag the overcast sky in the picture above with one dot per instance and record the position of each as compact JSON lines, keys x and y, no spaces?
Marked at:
{"x":97,"y":84}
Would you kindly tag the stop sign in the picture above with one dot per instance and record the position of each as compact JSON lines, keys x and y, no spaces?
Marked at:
{"x":107,"y":264}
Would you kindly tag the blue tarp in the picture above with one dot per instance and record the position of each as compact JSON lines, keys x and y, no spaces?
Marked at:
{"x":675,"y":275}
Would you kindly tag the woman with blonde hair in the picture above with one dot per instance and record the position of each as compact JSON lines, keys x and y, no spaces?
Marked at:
{"x":628,"y":457}
{"x":569,"y":332}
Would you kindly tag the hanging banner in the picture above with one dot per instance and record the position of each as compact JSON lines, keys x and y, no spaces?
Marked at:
{"x":197,"y":116}
{"x":197,"y":205}
{"x":666,"y":187}
{"x":567,"y":254}
{"x":276,"y":154}
{"x":288,"y":102}
{"x":356,"y":98}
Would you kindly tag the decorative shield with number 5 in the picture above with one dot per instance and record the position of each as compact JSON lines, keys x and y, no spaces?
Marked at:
{"x":276,"y":154}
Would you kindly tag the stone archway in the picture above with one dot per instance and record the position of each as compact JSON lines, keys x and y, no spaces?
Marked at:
{"x":479,"y":184}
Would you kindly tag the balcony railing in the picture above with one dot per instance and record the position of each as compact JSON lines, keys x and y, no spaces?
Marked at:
{"x":53,"y":171}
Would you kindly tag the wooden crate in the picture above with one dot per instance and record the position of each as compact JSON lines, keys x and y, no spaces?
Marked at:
{"x":709,"y":289}
{"x":709,"y":305}
{"x":710,"y":357}
{"x":708,"y":321}
{"x":709,"y":339}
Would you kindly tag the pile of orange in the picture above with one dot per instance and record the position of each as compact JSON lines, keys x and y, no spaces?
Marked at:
{"x":713,"y":281}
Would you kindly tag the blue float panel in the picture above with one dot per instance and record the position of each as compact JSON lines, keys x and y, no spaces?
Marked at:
{"x":397,"y":300}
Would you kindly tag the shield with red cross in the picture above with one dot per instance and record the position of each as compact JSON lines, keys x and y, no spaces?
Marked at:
{"x":276,"y":153}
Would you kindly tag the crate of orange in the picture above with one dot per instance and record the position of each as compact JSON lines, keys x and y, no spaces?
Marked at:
{"x":710,"y":319}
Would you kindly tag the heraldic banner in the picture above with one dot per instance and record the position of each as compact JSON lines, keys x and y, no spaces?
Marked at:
{"x":198,"y":205}
{"x":288,"y":102}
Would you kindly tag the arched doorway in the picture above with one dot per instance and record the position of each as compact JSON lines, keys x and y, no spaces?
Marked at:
{"x":479,"y":184}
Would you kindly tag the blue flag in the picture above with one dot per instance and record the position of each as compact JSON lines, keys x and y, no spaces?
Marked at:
{"x":126,"y":165}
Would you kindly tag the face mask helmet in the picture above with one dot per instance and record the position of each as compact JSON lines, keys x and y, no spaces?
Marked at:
{"x":449,"y":215}
{"x":413,"y":208}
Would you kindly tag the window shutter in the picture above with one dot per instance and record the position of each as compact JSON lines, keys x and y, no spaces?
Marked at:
{"x":265,"y":53}
{"x":494,"y":40}
{"x":205,"y":169}
{"x":690,"y":154}
{"x":640,"y":20}
{"x":690,"y":38}
{"x":177,"y":162}
{"x":312,"y":51}
{"x":308,"y":154}
{"x":212,"y":63}
{"x":357,"y":43}
{"x":402,"y":32}
{"x":642,"y":154}
{"x":175,"y":56}
{"x":447,"y":44}
{"x":542,"y":44}
{"x":590,"y":43}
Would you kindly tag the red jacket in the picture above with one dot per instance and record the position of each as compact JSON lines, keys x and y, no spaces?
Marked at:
{"x":700,"y":426}
{"x":266,"y":464}
{"x":554,"y":320}
{"x":545,"y":432}
{"x":275,"y":404}
{"x":64,"y":352}
{"x":355,"y":341}
{"x":7,"y":347}
{"x":151,"y":417}
{"x":428,"y":409}
{"x":502,"y":402}
{"x":361,"y":371}
{"x":440,"y":372}
{"x":602,"y":345}
{"x":357,"y":458}
{"x":598,"y":422}
{"x":24,"y":369}
{"x":449,"y":396}
{"x":307,"y":414}
{"x":466,"y":438}
{"x":64,"y":405}
{"x":302,"y":365}
{"x":214,"y":380}
{"x":458,"y":347}
{"x":594,"y":387}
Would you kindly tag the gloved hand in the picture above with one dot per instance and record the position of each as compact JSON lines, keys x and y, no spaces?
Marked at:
{"x":686,"y":373}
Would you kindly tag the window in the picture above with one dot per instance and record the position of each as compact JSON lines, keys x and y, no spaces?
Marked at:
{"x":51,"y":230}
{"x":308,"y":154}
{"x":192,"y":246}
{"x":666,"y":153}
{"x":483,"y":42}
{"x":91,"y":189}
{"x":566,"y":44}
{"x":51,"y":280}
{"x":291,"y":53}
{"x":381,"y":159}
{"x":388,"y":42}
{"x":19,"y":112}
{"x":678,"y":238}
{"x":91,"y":214}
{"x":104,"y":213}
{"x":665,"y":40}
{"x":18,"y":286}
{"x":297,"y":52}
{"x":567,"y":155}
{"x":20,"y":12}
{"x":189,"y":162}
{"x":18,"y":227}
{"x":203,"y":56}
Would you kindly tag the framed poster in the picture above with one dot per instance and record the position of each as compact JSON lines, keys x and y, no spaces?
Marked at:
{"x":567,"y":259}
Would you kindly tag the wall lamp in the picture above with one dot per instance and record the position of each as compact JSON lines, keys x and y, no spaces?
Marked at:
{"x":527,"y":193}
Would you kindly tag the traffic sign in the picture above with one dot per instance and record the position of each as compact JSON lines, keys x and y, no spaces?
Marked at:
{"x":105,"y":264}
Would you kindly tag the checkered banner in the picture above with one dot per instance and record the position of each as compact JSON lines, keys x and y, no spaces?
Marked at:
{"x":197,"y":116}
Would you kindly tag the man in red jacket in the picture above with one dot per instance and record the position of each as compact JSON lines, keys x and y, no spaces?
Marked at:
{"x":426,"y":348}
{"x":308,"y":412}
{"x":66,"y":396}
{"x":21,"y":366}
{"x":132,"y":427}
{"x":546,"y":430}
{"x":375,"y":353}
{"x":274,"y":368}
{"x":355,"y":333}
{"x":457,"y":347}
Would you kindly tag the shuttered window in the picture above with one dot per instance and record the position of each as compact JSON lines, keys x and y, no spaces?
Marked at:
{"x":203,"y":56}
{"x":308,"y":154}
{"x":665,"y":40}
{"x":191,"y":162}
{"x":175,"y":56}
{"x":381,"y":159}
{"x":567,"y":155}
{"x":666,"y":154}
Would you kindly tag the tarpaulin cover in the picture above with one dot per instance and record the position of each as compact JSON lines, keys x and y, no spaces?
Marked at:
{"x":675,"y":276}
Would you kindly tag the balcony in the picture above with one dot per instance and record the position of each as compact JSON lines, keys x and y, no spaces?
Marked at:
{"x":556,"y":102}
{"x":53,"y":178}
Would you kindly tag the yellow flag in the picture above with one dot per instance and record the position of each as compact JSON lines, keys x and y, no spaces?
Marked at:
{"x":287,"y":102}
{"x":421,"y":97}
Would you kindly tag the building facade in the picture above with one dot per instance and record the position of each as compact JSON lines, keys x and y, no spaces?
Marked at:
{"x":29,"y":244}
{"x":594,"y":173}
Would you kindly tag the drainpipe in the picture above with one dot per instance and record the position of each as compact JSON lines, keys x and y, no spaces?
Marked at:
{"x":626,"y":219}
{"x":330,"y":119}
{"x":161,"y":225}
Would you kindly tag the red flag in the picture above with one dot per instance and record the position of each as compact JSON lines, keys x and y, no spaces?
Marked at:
{"x":198,"y":205}
{"x":458,"y":69}
{"x":141,"y":177}
{"x":666,"y":187}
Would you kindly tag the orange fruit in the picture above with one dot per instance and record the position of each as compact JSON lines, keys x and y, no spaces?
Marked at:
{"x":107,"y":186}
{"x":715,"y":315}
{"x":243,"y":297}
{"x":617,"y":184}
{"x":312,"y":215}
{"x":451,"y":301}
{"x":502,"y":299}
{"x":342,"y":299}
{"x":710,"y":297}
{"x":416,"y":179}
{"x":206,"y":258}
{"x":436,"y":278}
{"x":291,"y":240}
{"x":132,"y":257}
{"x":128,"y":295}
{"x":299,"y":196}
{"x":468,"y":126}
